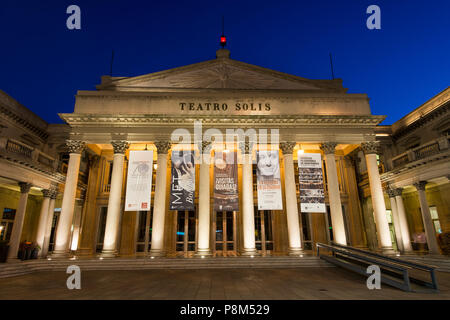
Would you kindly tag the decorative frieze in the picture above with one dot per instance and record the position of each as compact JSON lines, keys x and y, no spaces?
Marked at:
{"x":162,"y":146}
{"x":120,"y":146}
{"x":371,"y":147}
{"x":287,"y":147}
{"x":328,"y":147}
{"x":24,"y":187}
{"x":75,"y":146}
{"x":398,"y":191}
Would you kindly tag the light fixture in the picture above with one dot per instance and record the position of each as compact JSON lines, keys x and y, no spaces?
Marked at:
{"x":301,"y":151}
{"x":49,"y":258}
{"x":101,"y":258}
{"x":155,"y":166}
{"x":252,"y":256}
{"x":152,"y":257}
{"x":203,"y":257}
{"x":301,"y":256}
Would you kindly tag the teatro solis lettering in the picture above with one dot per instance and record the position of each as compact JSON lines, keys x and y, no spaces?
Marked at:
{"x":215,"y":106}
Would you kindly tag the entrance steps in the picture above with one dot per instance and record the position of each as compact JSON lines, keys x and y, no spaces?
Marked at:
{"x":17,"y":268}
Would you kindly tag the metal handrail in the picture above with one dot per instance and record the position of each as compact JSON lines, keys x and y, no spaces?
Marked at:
{"x":408,"y":263}
{"x":389,"y":262}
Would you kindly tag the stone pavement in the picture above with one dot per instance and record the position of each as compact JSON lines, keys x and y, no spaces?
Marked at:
{"x":236,"y":284}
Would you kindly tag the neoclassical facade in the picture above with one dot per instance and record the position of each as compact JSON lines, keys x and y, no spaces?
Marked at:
{"x":297,"y":114}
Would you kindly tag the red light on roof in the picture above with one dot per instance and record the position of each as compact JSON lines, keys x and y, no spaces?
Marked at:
{"x":223,"y":39}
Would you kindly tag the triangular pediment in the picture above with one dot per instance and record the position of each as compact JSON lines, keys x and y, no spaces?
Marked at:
{"x":221,"y":73}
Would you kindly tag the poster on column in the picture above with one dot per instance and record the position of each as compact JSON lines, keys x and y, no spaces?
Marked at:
{"x":268,"y":180}
{"x":312,"y":197}
{"x":225,"y":181}
{"x":139,"y":181}
{"x":182,"y":186}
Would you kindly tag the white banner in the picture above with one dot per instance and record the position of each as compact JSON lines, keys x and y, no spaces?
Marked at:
{"x":139,"y":181}
{"x":268,"y":180}
{"x":312,"y":197}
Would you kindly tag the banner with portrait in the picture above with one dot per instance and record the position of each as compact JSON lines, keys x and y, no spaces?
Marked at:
{"x":182,"y":186}
{"x":312,"y":197}
{"x":268,"y":180}
{"x":226,"y":196}
{"x":139,"y":181}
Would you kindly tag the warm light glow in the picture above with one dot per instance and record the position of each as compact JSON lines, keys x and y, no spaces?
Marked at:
{"x":301,"y":256}
{"x":155,"y":166}
{"x":152,"y":257}
{"x":49,"y":258}
{"x":226,"y":150}
{"x":203,"y":257}
{"x":252,"y":256}
{"x":301,"y":151}
{"x":101,"y":258}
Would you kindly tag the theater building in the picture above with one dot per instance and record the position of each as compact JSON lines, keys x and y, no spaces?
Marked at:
{"x":366,"y":168}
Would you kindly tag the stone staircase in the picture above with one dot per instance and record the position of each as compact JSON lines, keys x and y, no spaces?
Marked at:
{"x":17,"y":268}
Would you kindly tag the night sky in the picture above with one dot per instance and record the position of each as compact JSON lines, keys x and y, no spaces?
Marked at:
{"x":43,"y":64}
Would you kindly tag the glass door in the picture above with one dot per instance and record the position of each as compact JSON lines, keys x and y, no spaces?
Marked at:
{"x":225,"y":233}
{"x":186,"y":231}
{"x":263,"y":231}
{"x":144,"y":231}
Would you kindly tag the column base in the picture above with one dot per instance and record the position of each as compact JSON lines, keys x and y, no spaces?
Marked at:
{"x":203,"y":253}
{"x":296,"y":252}
{"x":389,"y":251}
{"x":108,"y":254}
{"x":59,"y":254}
{"x":249,"y":252}
{"x":156,"y":253}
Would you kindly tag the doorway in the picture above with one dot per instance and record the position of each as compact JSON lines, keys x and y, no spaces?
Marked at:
{"x":144,"y":231}
{"x":224,"y":226}
{"x":264,"y":231}
{"x":186,"y":232}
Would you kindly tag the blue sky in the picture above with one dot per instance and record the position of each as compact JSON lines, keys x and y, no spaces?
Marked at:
{"x":43,"y":64}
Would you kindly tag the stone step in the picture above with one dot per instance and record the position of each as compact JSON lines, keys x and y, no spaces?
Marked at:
{"x":26,"y":267}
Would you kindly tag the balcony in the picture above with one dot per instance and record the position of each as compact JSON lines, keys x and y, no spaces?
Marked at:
{"x":427,"y":151}
{"x":24,"y":154}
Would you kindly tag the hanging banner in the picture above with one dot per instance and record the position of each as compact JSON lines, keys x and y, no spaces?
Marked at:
{"x":312,"y":197}
{"x":225,"y":181}
{"x":268,"y":180}
{"x":182,"y":187}
{"x":139,"y":181}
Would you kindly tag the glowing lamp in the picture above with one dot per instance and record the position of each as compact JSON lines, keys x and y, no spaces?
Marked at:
{"x":223,"y":41}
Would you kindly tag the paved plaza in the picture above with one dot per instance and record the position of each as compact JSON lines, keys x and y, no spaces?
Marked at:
{"x":236,"y":284}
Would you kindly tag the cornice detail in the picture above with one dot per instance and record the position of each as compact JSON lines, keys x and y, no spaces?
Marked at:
{"x":328,"y":147}
{"x":372,"y":147}
{"x":75,"y":146}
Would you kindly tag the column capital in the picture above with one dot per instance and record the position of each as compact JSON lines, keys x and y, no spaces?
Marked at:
{"x":287,"y":147}
{"x":24,"y":187}
{"x":75,"y":146}
{"x":371,"y":147}
{"x":420,"y":185}
{"x":328,"y":147}
{"x":47,"y":193}
{"x":162,"y":146}
{"x":54,"y":194}
{"x":205,"y":147}
{"x":120,"y":146}
{"x":390,"y":192}
{"x":398,"y":191}
{"x":246,"y":147}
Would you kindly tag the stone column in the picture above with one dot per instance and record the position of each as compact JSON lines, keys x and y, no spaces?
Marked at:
{"x":70,"y":189}
{"x":79,"y":204}
{"x":370,"y":150}
{"x":295,"y":242}
{"x":159,"y":209}
{"x":49,"y":221}
{"x":16,"y":232}
{"x":43,"y":216}
{"x":248,"y":214}
{"x":395,"y":219}
{"x":433,"y":247}
{"x":204,"y":219}
{"x":334,"y":196}
{"x":110,"y":249}
{"x":402,"y":219}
